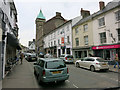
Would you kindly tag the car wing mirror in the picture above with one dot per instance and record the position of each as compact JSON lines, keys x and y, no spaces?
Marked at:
{"x":35,"y":64}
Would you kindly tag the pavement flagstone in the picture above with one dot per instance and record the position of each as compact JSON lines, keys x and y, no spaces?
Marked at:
{"x":21,"y":76}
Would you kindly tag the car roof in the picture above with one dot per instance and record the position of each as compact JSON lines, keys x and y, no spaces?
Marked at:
{"x":93,"y":57}
{"x":49,"y":59}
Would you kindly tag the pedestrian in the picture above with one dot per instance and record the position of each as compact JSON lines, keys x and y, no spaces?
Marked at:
{"x":116,"y":61}
{"x":21,"y":57}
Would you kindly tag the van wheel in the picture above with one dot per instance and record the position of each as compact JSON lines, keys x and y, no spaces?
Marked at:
{"x":92,"y":68}
{"x":77,"y":65}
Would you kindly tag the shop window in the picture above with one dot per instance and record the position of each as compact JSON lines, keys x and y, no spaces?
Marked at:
{"x":117,"y":15}
{"x":68,"y":50}
{"x":103,"y":37}
{"x":101,"y":21}
{"x":63,"y":51}
{"x":54,"y":51}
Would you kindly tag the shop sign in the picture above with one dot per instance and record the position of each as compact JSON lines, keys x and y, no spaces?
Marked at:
{"x":62,"y":41}
{"x":106,"y":47}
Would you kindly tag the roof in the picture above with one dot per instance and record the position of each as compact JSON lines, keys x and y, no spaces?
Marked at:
{"x":49,"y":59}
{"x":40,"y":15}
{"x":109,"y":6}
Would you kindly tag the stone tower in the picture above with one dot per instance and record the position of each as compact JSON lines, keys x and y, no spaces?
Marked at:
{"x":40,"y":20}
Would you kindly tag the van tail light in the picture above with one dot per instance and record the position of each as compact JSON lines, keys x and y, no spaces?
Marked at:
{"x":97,"y":63}
{"x":43,"y":73}
{"x":67,"y":70}
{"x":66,"y":58}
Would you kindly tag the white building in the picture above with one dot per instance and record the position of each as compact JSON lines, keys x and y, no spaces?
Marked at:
{"x":59,"y":41}
{"x":106,"y":30}
{"x":10,"y":43}
{"x":31,"y":46}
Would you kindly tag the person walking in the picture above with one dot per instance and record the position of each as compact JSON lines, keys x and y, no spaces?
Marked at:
{"x":116,"y":61}
{"x":21,"y":57}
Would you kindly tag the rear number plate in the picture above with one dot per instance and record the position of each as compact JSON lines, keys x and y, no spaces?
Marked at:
{"x":104,"y":64}
{"x":56,"y":72}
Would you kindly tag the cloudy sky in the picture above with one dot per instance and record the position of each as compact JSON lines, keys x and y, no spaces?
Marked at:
{"x":29,"y":9}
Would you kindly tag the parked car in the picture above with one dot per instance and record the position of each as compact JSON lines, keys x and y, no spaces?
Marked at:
{"x":67,"y":58}
{"x":92,"y":63}
{"x":31,"y":57}
{"x":50,"y":70}
{"x":48,"y":55}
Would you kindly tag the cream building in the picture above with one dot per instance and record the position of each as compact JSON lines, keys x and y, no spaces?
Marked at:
{"x":106,"y":27}
{"x":83,"y":36}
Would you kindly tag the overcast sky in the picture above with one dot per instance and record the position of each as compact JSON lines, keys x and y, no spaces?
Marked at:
{"x":29,"y":9}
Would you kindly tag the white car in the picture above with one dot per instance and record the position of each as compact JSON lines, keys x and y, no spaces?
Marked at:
{"x":67,"y":58}
{"x":92,"y":63}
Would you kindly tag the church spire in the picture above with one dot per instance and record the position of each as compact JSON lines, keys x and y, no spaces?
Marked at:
{"x":40,"y":15}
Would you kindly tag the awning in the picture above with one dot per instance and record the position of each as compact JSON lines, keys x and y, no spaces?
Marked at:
{"x":13,"y":41}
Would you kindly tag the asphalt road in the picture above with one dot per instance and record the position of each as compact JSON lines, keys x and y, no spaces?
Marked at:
{"x":83,"y":78}
{"x":22,"y":76}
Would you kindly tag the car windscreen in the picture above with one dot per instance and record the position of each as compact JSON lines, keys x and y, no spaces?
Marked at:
{"x":70,"y":56}
{"x":101,"y":60}
{"x":56,"y":64}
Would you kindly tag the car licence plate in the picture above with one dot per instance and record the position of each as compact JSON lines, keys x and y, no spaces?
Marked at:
{"x":70,"y":59}
{"x":56,"y":72}
{"x":104,"y":64}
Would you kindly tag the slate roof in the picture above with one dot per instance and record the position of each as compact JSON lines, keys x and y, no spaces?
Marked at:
{"x":108,"y":7}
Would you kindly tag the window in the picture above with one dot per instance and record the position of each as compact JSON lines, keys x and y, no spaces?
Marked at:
{"x":85,"y":27}
{"x":58,"y":41}
{"x":86,"y":40}
{"x":67,"y":28}
{"x":51,"y":44}
{"x":62,"y":31}
{"x":117,"y":15}
{"x":11,"y":12}
{"x":68,"y":50}
{"x":58,"y":32}
{"x":76,"y":30}
{"x":118,"y":34}
{"x":68,"y":39}
{"x":54,"y":51}
{"x":54,"y":43}
{"x":103,"y":37}
{"x":77,"y":41}
{"x":101,"y":21}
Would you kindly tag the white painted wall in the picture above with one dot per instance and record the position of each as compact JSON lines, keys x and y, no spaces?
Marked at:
{"x":0,"y":34}
{"x":110,"y":27}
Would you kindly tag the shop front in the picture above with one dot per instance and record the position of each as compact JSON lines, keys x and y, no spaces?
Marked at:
{"x":107,"y":52}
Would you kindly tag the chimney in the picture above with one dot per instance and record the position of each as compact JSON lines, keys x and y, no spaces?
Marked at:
{"x":101,"y":5}
{"x":85,"y":13}
{"x":58,"y":14}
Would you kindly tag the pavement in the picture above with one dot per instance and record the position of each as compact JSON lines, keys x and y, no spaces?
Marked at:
{"x":22,"y":76}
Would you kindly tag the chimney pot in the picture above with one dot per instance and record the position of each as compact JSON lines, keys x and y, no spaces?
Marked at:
{"x":101,"y":5}
{"x":58,"y":14}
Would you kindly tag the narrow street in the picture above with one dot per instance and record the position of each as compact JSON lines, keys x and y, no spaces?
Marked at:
{"x":22,"y":76}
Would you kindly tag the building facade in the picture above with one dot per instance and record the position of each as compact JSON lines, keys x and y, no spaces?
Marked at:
{"x":83,"y":36}
{"x":44,"y":27}
{"x":31,"y":46}
{"x":99,"y":33}
{"x":10,"y":43}
{"x":106,"y":31}
{"x":59,"y":41}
